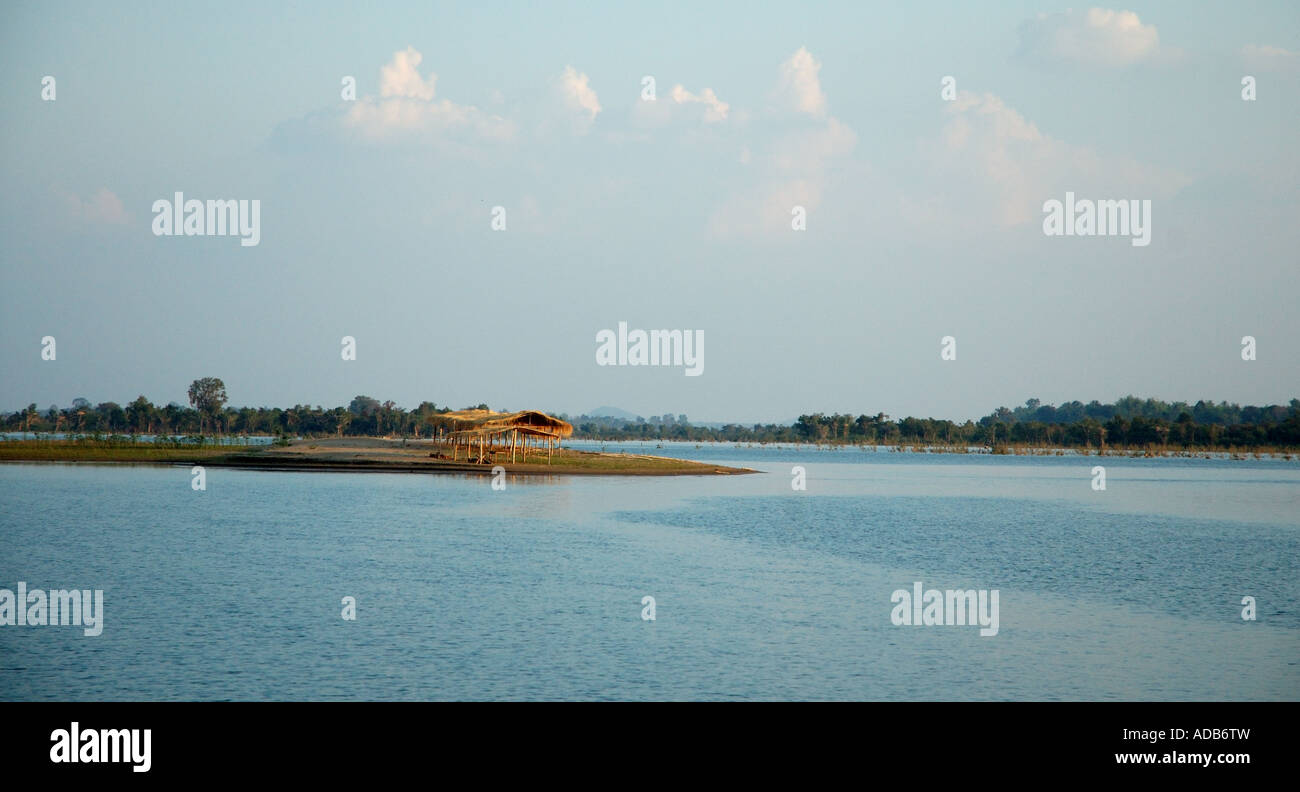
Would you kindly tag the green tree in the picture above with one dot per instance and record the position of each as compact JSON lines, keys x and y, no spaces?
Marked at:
{"x":207,"y":395}
{"x":140,"y":415}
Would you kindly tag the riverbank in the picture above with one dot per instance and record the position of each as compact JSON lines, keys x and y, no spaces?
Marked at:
{"x":357,"y":454}
{"x":1133,"y":452}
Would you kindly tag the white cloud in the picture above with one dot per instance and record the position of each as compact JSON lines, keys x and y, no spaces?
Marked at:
{"x":402,"y":78}
{"x":812,"y":150}
{"x":800,"y":165}
{"x":1266,"y":51}
{"x":799,"y":87}
{"x":406,"y":107}
{"x":103,"y":207}
{"x":1265,"y":57}
{"x":992,"y":166}
{"x":1096,"y":37}
{"x":681,"y":105}
{"x":579,"y":97}
{"x":714,"y":108}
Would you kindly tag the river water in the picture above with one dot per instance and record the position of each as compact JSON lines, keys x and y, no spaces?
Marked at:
{"x":760,"y":591}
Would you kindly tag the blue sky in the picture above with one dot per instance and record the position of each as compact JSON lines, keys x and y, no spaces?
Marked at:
{"x":923,"y":215}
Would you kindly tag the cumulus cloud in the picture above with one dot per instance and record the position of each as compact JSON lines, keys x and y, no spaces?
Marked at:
{"x":800,"y":165}
{"x":714,"y":108}
{"x":1096,"y":37}
{"x":1266,"y":51}
{"x":799,"y":87}
{"x":1265,"y":57}
{"x":798,"y":171}
{"x":681,"y":105}
{"x":812,"y":150}
{"x":104,"y":207}
{"x":406,"y":107}
{"x":579,"y":97}
{"x":991,"y":165}
{"x":402,"y":77}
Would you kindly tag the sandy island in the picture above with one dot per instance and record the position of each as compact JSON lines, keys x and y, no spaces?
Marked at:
{"x":365,"y":454}
{"x":426,"y":456}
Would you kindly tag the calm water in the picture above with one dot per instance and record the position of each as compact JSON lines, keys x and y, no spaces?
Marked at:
{"x":762,"y":592}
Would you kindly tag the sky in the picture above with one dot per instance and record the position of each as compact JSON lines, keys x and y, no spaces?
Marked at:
{"x":921,"y":201}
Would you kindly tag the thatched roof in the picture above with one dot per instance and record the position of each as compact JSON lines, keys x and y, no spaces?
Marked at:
{"x":489,"y":422}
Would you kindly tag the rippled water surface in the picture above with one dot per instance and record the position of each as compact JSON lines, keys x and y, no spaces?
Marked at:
{"x":761,"y":592}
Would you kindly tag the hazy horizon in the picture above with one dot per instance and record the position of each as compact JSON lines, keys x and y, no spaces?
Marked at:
{"x":632,"y":414}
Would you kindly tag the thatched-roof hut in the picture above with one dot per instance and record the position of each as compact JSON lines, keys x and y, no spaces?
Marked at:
{"x":500,"y":432}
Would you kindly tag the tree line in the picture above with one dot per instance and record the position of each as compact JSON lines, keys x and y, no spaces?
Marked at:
{"x":1127,"y":422}
{"x":208,"y":414}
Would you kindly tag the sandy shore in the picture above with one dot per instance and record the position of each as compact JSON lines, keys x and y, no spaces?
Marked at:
{"x":361,"y":454}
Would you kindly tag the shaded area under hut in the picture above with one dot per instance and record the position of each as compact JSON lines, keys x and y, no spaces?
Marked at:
{"x":484,"y":434}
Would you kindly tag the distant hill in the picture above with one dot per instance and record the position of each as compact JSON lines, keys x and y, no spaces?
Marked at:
{"x":613,"y":412}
